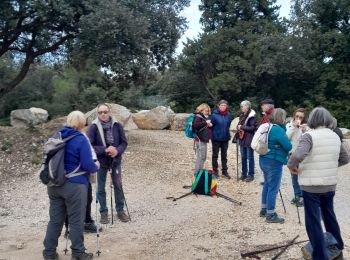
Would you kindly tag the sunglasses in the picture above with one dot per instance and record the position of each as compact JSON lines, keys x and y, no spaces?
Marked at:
{"x":103,"y":112}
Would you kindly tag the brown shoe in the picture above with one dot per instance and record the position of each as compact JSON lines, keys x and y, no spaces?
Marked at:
{"x":123,"y":217}
{"x":104,"y":218}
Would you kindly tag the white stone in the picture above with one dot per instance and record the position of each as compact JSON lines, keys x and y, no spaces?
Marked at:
{"x":156,"y":119}
{"x":28,"y":117}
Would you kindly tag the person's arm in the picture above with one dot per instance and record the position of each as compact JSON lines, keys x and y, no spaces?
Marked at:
{"x":300,"y":153}
{"x":343,"y":156}
{"x":86,"y":161}
{"x":92,"y":134}
{"x":199,"y":123}
{"x":251,"y":126}
{"x":283,"y":140}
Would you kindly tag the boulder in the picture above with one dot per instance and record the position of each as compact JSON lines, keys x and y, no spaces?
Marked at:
{"x":120,"y":113}
{"x":28,"y":117}
{"x":178,"y":122}
{"x":346,"y":133}
{"x":156,"y":119}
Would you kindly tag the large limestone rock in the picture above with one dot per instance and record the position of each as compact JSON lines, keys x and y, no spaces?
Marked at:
{"x":178,"y":122}
{"x":120,"y":113}
{"x":28,"y":117}
{"x":156,"y":119}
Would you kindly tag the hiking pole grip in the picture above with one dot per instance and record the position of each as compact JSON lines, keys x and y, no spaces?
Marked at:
{"x":285,"y":248}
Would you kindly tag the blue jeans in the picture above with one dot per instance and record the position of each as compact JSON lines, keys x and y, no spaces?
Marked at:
{"x":247,"y":153}
{"x":315,"y":205}
{"x":296,"y":186}
{"x":272,"y":170}
{"x":118,"y":193}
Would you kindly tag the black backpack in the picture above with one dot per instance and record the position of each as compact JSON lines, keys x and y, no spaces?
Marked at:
{"x":52,"y":172}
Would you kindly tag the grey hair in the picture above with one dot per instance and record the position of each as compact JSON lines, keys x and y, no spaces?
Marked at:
{"x":278,"y":116}
{"x":246,"y":103}
{"x":320,"y":117}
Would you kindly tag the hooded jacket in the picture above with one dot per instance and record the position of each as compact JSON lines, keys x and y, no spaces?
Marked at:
{"x":249,"y":127}
{"x":98,"y":142}
{"x":221,"y":126}
{"x":77,"y":151}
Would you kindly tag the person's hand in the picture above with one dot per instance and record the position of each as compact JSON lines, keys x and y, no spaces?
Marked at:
{"x":239,"y":127}
{"x":296,"y":123}
{"x":98,"y":164}
{"x":112,"y":151}
{"x":303,"y":127}
{"x":294,"y":170}
{"x":209,"y":123}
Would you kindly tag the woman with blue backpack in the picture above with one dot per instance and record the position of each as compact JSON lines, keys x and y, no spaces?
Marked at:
{"x":221,"y":120}
{"x":201,"y":127}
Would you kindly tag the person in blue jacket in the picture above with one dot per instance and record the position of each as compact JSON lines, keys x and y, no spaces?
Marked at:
{"x":71,"y":198}
{"x":221,"y":120}
{"x":271,"y":164}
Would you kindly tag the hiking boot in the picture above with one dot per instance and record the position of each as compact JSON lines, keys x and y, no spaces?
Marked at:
{"x":226,"y":175}
{"x":298,"y":201}
{"x":104,"y":218}
{"x":83,"y":256}
{"x":123,"y":217}
{"x":249,"y":179}
{"x":242,"y":178}
{"x":91,"y":228}
{"x":51,"y":257}
{"x":263,"y":213}
{"x":274,"y":218}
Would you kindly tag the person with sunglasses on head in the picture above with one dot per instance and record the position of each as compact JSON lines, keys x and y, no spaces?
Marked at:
{"x":295,"y":128}
{"x":108,"y":139}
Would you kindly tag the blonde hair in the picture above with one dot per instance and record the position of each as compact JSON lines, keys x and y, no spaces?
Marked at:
{"x":202,"y":107}
{"x":76,"y":120}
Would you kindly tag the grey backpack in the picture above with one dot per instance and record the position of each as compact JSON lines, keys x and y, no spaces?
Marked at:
{"x":52,"y":172}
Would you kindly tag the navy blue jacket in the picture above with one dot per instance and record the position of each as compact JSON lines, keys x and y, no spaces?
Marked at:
{"x":97,"y":139}
{"x":77,"y":151}
{"x":221,"y":126}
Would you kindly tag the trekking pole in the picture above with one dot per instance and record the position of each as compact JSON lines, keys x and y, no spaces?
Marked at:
{"x":298,"y":211}
{"x":285,"y":248}
{"x":98,"y":252}
{"x":228,"y":198}
{"x":126,"y":205}
{"x":67,"y":237}
{"x":111,"y":185}
{"x":284,"y":207}
{"x":237,"y":160}
{"x":249,"y":254}
{"x":182,"y":196}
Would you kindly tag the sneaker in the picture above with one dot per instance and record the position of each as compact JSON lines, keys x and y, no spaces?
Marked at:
{"x":334,"y":253}
{"x":91,"y":228}
{"x":51,"y":257}
{"x":226,"y":175}
{"x":297,"y":201}
{"x":274,"y":218}
{"x":123,"y":217}
{"x":104,"y":218}
{"x":249,"y":179}
{"x":83,"y":256}
{"x":263,"y":213}
{"x":242,"y":178}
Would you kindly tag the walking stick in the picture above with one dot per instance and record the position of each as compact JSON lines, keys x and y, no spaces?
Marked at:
{"x":228,"y":198}
{"x":237,"y":160}
{"x":98,"y":252}
{"x":67,"y":237}
{"x":284,"y":249}
{"x":284,"y":207}
{"x":111,"y":185}
{"x":126,"y":205}
{"x":297,"y":211}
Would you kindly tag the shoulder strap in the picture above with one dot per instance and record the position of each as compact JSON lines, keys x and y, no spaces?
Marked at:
{"x":197,"y":180}
{"x":206,"y":188}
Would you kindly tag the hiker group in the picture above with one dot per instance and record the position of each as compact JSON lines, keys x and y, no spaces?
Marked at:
{"x":310,"y":145}
{"x":87,"y":157}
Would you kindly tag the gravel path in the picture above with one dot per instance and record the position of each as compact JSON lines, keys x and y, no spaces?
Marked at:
{"x":156,"y":165}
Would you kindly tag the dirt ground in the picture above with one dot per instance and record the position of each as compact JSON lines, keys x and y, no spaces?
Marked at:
{"x":156,"y":165}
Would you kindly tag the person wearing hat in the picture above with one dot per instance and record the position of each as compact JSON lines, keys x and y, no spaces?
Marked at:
{"x":220,"y":120}
{"x":267,"y":107}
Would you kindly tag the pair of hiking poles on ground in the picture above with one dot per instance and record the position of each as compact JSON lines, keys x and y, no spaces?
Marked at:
{"x":98,"y":252}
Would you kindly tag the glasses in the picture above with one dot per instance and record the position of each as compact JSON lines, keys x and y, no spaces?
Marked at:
{"x":103,"y":112}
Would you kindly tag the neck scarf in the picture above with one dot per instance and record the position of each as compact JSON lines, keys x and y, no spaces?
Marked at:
{"x":223,"y":113}
{"x":107,"y":129}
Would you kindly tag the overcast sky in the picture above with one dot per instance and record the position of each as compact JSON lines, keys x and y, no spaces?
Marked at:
{"x":193,"y":15}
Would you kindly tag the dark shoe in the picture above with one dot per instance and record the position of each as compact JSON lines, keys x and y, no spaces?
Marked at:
{"x":51,"y":257}
{"x":225,"y":175}
{"x":104,"y":218}
{"x":91,"y":228}
{"x":298,"y":201}
{"x":242,"y":178}
{"x":83,"y":256}
{"x":334,"y":253}
{"x":263,"y":213}
{"x":274,"y":218}
{"x":123,"y":217}
{"x":249,"y":179}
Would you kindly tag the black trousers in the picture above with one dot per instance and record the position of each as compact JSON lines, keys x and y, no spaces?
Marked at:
{"x":217,"y":146}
